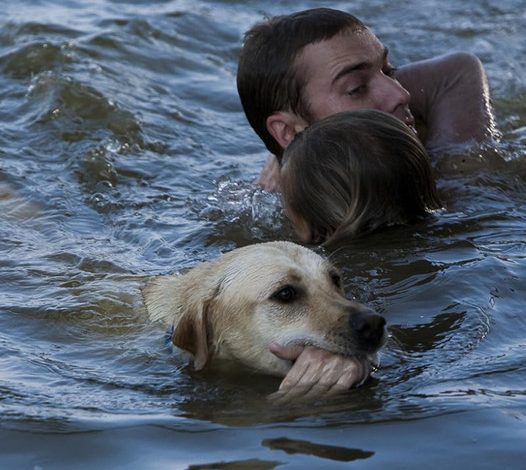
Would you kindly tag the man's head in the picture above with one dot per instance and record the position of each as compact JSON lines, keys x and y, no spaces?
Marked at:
{"x":299,"y":68}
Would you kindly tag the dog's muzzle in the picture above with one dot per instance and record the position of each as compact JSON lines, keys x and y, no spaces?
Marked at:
{"x":368,"y":330}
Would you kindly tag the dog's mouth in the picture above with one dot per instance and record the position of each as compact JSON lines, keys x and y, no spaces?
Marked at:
{"x":363,"y":351}
{"x":371,"y":358}
{"x":361,"y":348}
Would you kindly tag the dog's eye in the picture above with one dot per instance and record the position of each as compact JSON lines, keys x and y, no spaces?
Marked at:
{"x":286,"y":294}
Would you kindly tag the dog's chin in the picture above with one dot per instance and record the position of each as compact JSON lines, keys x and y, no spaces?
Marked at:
{"x":274,"y":367}
{"x":374,"y":360}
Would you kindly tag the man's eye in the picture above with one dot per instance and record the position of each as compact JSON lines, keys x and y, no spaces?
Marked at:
{"x":286,"y":294}
{"x":357,"y":91}
{"x":389,"y":70}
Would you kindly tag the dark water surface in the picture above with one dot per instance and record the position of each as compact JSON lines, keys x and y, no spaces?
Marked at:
{"x":124,"y":154}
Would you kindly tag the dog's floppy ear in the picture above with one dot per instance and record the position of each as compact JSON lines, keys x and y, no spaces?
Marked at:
{"x":161,"y":297}
{"x":192,"y":332}
{"x":183,"y":301}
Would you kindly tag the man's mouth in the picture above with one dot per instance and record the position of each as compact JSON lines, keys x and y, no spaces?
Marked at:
{"x":409,"y":121}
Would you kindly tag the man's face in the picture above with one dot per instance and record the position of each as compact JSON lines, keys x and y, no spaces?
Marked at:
{"x":351,"y":71}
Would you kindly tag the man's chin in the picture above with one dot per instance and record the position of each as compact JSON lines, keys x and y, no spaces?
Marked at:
{"x":413,"y":128}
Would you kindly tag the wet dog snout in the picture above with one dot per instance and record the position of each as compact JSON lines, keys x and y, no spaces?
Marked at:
{"x":368,"y":329}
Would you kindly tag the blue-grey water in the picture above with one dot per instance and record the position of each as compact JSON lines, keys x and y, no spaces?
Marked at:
{"x":124,"y":154}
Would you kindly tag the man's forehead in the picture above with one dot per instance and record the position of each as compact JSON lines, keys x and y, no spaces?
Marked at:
{"x":345,"y":48}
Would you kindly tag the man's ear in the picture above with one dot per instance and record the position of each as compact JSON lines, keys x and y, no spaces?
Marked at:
{"x":284,"y":126}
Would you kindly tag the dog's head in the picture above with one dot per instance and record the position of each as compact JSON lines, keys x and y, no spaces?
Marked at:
{"x":276,"y":292}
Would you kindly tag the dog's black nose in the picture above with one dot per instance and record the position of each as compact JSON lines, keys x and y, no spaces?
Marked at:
{"x":368,"y":328}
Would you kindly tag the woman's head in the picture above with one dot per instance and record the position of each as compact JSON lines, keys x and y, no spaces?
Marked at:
{"x":353,"y":173}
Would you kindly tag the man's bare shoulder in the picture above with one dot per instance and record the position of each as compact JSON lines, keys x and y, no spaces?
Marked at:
{"x":449,"y":99}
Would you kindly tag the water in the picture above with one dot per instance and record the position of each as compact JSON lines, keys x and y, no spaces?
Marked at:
{"x":124,"y":154}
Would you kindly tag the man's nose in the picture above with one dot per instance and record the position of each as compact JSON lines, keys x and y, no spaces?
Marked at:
{"x":392,"y":95}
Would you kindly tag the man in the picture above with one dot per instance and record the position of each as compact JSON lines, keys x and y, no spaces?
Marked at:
{"x":297,"y":69}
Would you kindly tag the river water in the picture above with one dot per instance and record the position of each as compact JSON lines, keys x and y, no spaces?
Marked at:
{"x":124,"y":154}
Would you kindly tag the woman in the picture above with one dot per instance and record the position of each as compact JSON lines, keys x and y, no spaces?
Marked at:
{"x":353,"y":173}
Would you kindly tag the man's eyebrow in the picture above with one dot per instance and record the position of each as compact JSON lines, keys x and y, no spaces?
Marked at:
{"x":360,"y":66}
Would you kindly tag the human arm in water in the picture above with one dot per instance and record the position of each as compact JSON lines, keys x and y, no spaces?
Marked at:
{"x":269,"y":179}
{"x":450,"y":101}
{"x":317,"y":373}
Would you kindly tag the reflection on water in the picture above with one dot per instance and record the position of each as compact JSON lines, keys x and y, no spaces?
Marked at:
{"x":124,"y":154}
{"x":254,"y":464}
{"x":295,"y":446}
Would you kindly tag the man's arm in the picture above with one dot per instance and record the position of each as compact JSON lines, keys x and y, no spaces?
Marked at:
{"x":317,"y":373}
{"x":269,"y":177}
{"x":450,"y":99}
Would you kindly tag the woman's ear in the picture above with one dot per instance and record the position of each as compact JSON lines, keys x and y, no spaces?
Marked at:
{"x":284,"y":126}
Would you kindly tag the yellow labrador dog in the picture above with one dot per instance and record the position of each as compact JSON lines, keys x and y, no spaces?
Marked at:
{"x":276,"y":292}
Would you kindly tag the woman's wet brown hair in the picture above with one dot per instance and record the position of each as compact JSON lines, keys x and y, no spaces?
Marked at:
{"x":355,"y":172}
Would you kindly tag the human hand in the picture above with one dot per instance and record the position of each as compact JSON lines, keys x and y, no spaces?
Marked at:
{"x":317,"y":373}
{"x":269,"y":178}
